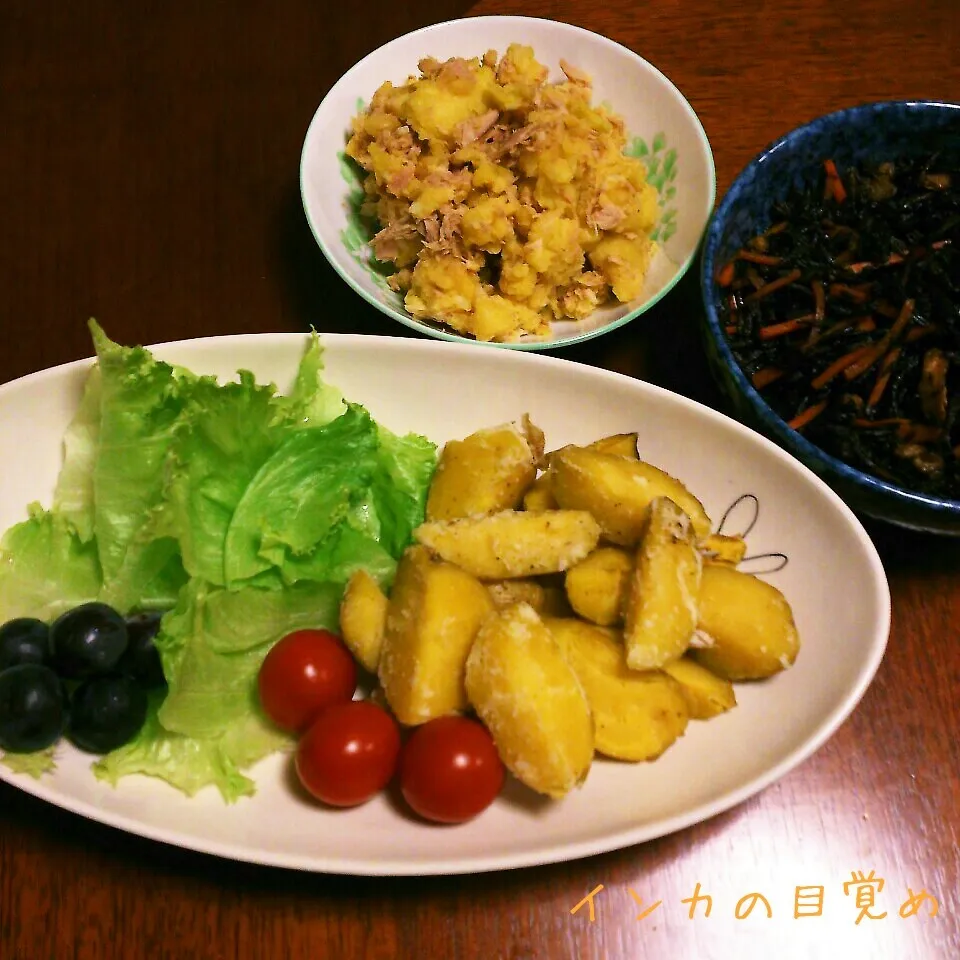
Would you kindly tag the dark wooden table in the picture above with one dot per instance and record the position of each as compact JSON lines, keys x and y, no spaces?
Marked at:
{"x":148,"y":177}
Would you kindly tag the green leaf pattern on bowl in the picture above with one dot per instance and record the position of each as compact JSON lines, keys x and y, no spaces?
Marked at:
{"x":661,"y":164}
{"x":358,"y":232}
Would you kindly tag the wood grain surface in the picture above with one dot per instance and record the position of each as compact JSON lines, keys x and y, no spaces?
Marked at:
{"x":148,"y":177}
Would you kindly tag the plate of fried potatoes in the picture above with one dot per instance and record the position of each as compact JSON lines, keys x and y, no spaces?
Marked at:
{"x":507,"y":181}
{"x":656,"y":612}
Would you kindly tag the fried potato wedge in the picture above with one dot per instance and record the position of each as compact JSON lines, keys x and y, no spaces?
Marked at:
{"x":530,"y":699}
{"x":620,"y":444}
{"x":486,"y":472}
{"x":547,"y":598}
{"x":540,"y":494}
{"x":719,"y":548}
{"x":637,"y":715}
{"x":433,"y":617}
{"x":363,"y":619}
{"x":505,"y":593}
{"x":513,"y":543}
{"x":707,"y":695}
{"x":597,"y":586}
{"x":618,"y":491}
{"x":747,"y":623}
{"x":660,"y":612}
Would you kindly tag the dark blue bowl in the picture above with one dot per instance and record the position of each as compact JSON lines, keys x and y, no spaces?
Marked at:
{"x":872,"y":131}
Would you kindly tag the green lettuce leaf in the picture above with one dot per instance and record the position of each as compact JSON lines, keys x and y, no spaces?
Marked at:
{"x":141,"y":403}
{"x":312,"y":400}
{"x":222,"y":456}
{"x":32,"y":764}
{"x":189,"y":764}
{"x":300,"y":495}
{"x":213,"y":642}
{"x":240,"y":512}
{"x":405,"y":466}
{"x":229,"y":432}
{"x":73,"y":497}
{"x":45,"y":568}
{"x":208,"y":727}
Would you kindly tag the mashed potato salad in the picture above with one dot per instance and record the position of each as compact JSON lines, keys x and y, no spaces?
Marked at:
{"x":504,"y":201}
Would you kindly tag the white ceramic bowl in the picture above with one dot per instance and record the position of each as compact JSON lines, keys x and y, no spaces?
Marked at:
{"x":662,"y":127}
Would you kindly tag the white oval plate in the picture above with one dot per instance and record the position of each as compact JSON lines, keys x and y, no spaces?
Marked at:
{"x":833,"y":579}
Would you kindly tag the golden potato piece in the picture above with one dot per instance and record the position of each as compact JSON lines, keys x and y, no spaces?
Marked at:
{"x":540,"y":495}
{"x":707,"y":695}
{"x":568,"y":632}
{"x":530,"y":699}
{"x":433,"y":616}
{"x":485,"y":473}
{"x":748,"y":623}
{"x":660,"y":613}
{"x":637,"y":715}
{"x":513,"y":544}
{"x":363,"y":619}
{"x":617,"y":444}
{"x":548,"y":599}
{"x":618,"y":492}
{"x":505,"y":593}
{"x":719,"y":548}
{"x":597,"y":586}
{"x":621,"y":444}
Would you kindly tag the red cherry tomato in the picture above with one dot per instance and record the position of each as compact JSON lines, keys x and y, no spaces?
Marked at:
{"x":304,"y":673}
{"x":450,"y":770}
{"x":349,"y":753}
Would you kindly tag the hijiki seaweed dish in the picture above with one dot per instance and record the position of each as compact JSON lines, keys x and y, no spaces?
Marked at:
{"x":845,"y":315}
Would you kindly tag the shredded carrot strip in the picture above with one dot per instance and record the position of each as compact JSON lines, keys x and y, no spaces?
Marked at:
{"x":766,"y":376}
{"x":802,"y":419}
{"x":764,"y":259}
{"x":867,"y":324}
{"x":879,"y":424}
{"x":858,"y":294}
{"x":838,"y":366}
{"x":731,"y":329}
{"x":877,"y":392}
{"x":846,"y":324}
{"x":769,"y":288}
{"x":725,"y":276}
{"x":891,"y":261}
{"x":772,"y":330}
{"x":883,"y":378}
{"x":875,"y":353}
{"x":890,"y":359}
{"x":834,"y":183}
